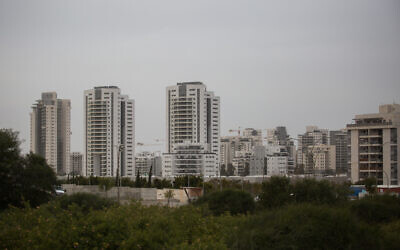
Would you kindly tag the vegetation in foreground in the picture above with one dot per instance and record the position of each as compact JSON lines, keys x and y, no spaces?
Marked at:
{"x":306,"y":214}
{"x":68,"y":222}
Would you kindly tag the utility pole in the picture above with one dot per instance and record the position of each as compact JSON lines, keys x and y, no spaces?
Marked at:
{"x":120,"y":148}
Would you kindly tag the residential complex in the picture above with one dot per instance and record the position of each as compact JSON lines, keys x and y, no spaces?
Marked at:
{"x":366,"y":148}
{"x":193,"y":125}
{"x":374,"y":145}
{"x":50,"y":131}
{"x":109,"y":132}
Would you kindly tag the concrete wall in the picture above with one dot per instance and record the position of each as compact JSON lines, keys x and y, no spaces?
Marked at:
{"x":125,"y":193}
{"x":147,"y":196}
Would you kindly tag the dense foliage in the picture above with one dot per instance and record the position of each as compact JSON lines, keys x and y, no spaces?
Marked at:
{"x":232,"y":201}
{"x":86,"y":202}
{"x":280,"y":191}
{"x":296,"y":226}
{"x":300,"y":214}
{"x":23,"y":178}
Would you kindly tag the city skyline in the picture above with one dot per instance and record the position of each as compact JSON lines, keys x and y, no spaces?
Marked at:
{"x":272,"y":63}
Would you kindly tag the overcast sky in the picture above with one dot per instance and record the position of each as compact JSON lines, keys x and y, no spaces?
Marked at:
{"x":290,"y":63}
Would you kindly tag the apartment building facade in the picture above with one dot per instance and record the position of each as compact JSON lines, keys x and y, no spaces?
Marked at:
{"x":313,"y":136}
{"x":109,"y":132}
{"x":190,"y":159}
{"x":146,"y":161}
{"x":192,"y":121}
{"x":50,"y":131}
{"x":339,"y":139}
{"x":374,"y":145}
{"x":76,"y":161}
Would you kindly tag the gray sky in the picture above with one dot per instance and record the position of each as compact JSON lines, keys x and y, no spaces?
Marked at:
{"x":291,"y":63}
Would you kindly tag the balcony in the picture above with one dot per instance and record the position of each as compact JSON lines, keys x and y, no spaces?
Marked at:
{"x":369,"y":124}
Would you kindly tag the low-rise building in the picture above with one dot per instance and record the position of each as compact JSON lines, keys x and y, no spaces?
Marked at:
{"x":76,"y":161}
{"x":322,"y":158}
{"x":190,"y":159}
{"x":241,"y":163}
{"x":145,"y":161}
{"x":278,"y":160}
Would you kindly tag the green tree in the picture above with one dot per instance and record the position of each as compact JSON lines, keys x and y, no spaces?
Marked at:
{"x":38,"y":180}
{"x":169,"y":194}
{"x":10,"y":169}
{"x":230,"y":171}
{"x":106,"y":184}
{"x":138,"y":181}
{"x":222,"y":171}
{"x":150,"y":175}
{"x":370,"y":185}
{"x":22,"y":178}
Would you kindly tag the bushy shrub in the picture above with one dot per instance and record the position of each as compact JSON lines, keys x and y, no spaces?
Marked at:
{"x":232,"y":201}
{"x":304,"y":226}
{"x":85,"y":201}
{"x":275,"y":192}
{"x":279,"y":191}
{"x":319,"y":192}
{"x":126,"y":227}
{"x":377,"y":208}
{"x":391,"y":235}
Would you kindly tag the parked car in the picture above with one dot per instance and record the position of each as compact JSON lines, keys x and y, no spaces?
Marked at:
{"x":59,"y":191}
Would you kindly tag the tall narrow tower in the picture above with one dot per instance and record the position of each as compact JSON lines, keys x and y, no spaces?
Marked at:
{"x":109,"y":124}
{"x":51,"y":131}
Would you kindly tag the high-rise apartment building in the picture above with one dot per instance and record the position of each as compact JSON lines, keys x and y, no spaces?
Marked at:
{"x":51,"y":131}
{"x":374,"y":145}
{"x":109,"y":132}
{"x":76,"y":161}
{"x":193,"y":117}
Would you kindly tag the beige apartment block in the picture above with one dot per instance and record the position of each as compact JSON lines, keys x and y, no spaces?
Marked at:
{"x":322,"y":158}
{"x":374,"y":145}
{"x":50,"y":131}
